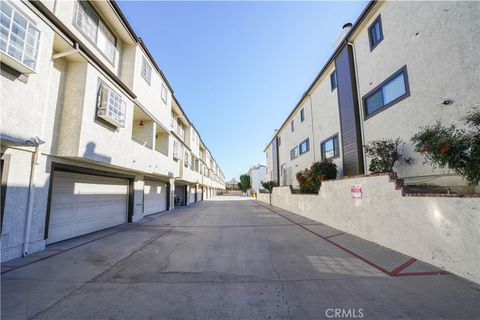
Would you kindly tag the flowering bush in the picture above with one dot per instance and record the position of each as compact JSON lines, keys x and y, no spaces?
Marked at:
{"x":453,"y":148}
{"x":384,"y":154}
{"x":311,"y":179}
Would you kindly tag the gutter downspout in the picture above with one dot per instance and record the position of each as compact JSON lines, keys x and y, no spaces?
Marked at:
{"x":31,"y":193}
{"x":313,"y":129}
{"x":360,"y":104}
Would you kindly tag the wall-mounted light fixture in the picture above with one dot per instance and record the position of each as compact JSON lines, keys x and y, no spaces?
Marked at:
{"x":447,"y":101}
{"x":140,"y":124}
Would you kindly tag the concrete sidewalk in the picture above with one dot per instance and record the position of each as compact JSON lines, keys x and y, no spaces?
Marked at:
{"x":229,"y":258}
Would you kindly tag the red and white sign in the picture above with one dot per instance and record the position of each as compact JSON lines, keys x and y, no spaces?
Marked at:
{"x":356,"y":191}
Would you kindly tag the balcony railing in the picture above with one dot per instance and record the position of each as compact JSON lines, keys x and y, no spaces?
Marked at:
{"x":143,"y":143}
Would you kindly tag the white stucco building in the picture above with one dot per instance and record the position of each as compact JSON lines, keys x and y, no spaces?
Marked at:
{"x":399,"y":67}
{"x":91,"y":132}
{"x":258,"y":174}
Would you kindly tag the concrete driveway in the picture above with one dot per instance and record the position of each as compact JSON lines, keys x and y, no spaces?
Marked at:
{"x":229,"y":258}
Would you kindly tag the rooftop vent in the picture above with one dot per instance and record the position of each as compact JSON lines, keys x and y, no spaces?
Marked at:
{"x":345,"y":29}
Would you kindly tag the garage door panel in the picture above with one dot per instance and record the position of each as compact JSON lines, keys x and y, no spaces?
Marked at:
{"x":83,"y":203}
{"x":154,"y":197}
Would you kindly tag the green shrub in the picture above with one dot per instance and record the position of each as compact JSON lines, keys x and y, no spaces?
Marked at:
{"x":311,"y":179}
{"x":384,"y":154}
{"x":453,"y":148}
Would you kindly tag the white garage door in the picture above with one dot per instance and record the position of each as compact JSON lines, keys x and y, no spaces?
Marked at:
{"x":154,"y":197}
{"x":85,"y":203}
{"x":192,"y":195}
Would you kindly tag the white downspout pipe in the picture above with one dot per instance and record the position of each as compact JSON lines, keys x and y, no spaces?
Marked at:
{"x":31,"y":194}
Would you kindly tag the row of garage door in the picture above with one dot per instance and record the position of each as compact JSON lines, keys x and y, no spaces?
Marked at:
{"x":82,"y":203}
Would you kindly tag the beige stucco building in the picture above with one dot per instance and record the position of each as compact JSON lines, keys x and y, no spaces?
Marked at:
{"x":401,"y":66}
{"x":91,"y":133}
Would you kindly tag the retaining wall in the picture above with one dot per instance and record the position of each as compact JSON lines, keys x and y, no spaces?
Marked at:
{"x":443,"y":231}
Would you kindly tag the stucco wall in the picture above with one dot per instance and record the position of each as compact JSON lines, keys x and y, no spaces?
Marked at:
{"x":442,"y":231}
{"x":438,"y":42}
{"x":24,"y":123}
{"x":326,"y":117}
{"x":149,"y":95}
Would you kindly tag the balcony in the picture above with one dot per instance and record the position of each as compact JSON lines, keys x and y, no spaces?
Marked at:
{"x":142,"y":128}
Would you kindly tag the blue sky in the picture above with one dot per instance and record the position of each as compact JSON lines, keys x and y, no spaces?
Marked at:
{"x":239,"y":68}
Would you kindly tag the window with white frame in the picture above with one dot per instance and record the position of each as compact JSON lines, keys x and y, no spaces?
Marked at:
{"x":19,"y":36}
{"x":176,"y":147}
{"x":146,"y":70}
{"x":110,"y":106}
{"x":186,"y":159}
{"x":88,"y":22}
{"x":172,"y":120}
{"x":164,"y":93}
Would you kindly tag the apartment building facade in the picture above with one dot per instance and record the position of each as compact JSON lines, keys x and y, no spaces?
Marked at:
{"x":257,"y":174}
{"x":92,"y":135}
{"x":401,"y":66}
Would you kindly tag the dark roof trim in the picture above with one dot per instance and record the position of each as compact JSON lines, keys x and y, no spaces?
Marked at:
{"x":332,"y":57}
{"x":38,"y":5}
{"x":122,"y":17}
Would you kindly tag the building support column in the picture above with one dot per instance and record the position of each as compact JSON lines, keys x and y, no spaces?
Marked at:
{"x":171,"y":198}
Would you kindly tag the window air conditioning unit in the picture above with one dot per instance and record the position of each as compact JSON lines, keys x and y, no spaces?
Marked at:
{"x":110,"y":106}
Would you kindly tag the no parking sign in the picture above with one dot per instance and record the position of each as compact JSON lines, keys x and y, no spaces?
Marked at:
{"x":356,"y":191}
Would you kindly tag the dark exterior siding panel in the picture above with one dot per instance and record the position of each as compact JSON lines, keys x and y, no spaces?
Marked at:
{"x":349,"y":113}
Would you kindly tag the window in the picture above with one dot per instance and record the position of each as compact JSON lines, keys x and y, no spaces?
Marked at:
{"x":146,"y":70}
{"x":110,"y":106}
{"x":164,"y":93}
{"x":329,"y":148}
{"x":294,"y":153}
{"x":292,"y":126}
{"x":180,"y":130}
{"x":333,"y":79}
{"x":87,"y":21}
{"x":302,"y":115}
{"x":186,"y":159}
{"x":176,"y":147}
{"x":391,"y":91}
{"x":304,"y":146}
{"x":375,"y":33}
{"x":19,"y":36}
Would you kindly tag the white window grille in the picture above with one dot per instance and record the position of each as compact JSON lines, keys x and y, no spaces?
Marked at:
{"x":176,"y":148}
{"x":110,"y":106}
{"x":146,"y":70}
{"x":88,"y":22}
{"x":19,"y":36}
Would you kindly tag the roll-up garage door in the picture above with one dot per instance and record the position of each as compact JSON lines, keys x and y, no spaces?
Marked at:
{"x":191,"y":199}
{"x":154,"y":197}
{"x":82,"y":203}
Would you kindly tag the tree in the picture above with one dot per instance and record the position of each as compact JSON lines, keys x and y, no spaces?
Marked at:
{"x":268,"y":185}
{"x":244,"y":183}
